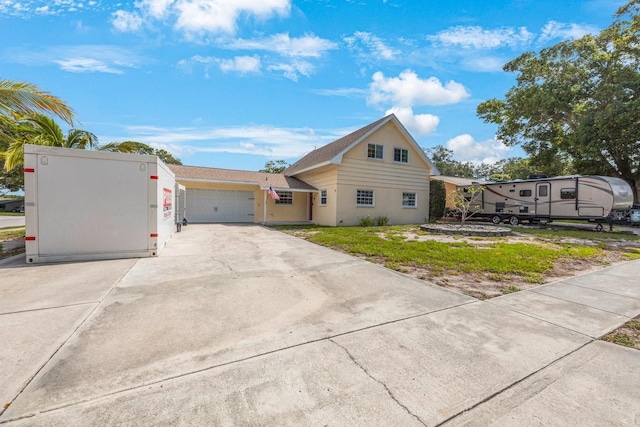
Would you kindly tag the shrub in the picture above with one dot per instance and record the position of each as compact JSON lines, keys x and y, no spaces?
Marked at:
{"x":381,"y":220}
{"x":367,"y":221}
{"x":437,"y":200}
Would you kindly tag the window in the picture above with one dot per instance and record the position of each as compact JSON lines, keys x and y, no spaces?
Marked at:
{"x":525,"y":193}
{"x":364,"y":198}
{"x":401,"y":155}
{"x":286,"y":198}
{"x":408,"y":200}
{"x":375,"y":151}
{"x":323,"y":197}
{"x":567,"y":193}
{"x":543,"y":191}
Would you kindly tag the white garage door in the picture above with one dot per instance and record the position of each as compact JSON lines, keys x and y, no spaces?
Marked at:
{"x":219,"y":205}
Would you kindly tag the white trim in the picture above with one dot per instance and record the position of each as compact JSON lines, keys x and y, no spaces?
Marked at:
{"x":375,"y":151}
{"x":326,"y":198}
{"x":373,"y":199}
{"x":415,"y":199}
{"x":400,"y":162}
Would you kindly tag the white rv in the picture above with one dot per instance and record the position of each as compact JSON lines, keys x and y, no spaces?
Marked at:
{"x":597,"y":198}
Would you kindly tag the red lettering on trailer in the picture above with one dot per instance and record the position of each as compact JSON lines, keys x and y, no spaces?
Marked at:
{"x":154,"y":176}
{"x":29,"y":170}
{"x":30,"y":238}
{"x":154,"y":234}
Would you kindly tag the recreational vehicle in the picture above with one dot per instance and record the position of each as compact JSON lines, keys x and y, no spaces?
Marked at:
{"x":596,"y":198}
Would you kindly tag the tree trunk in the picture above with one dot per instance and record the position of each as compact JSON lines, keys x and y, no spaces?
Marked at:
{"x":635,"y":186}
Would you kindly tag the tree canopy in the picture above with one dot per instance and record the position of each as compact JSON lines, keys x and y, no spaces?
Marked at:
{"x":142,"y":148}
{"x":578,"y":103}
{"x":275,"y":166}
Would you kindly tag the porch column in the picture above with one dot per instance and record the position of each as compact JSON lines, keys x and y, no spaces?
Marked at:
{"x":264,"y":204}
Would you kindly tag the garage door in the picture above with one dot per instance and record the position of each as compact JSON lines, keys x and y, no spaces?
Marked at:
{"x":219,"y":205}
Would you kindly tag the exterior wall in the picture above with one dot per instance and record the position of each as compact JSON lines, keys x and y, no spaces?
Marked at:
{"x":325,"y":179}
{"x":387,"y":178}
{"x":275,"y":213}
{"x":450,"y":191}
{"x":297,"y":212}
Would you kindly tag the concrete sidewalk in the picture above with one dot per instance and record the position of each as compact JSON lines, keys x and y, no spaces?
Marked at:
{"x":244,"y":325}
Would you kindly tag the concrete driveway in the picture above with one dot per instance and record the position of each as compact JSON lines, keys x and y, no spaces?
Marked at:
{"x":237,"y":324}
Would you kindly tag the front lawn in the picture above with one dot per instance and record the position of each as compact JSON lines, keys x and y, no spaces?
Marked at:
{"x":480,"y":267}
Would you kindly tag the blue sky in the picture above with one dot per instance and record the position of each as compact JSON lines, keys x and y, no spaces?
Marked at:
{"x":235,"y":83}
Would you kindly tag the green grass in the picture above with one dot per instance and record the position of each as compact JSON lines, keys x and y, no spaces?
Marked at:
{"x":387,"y":245}
{"x":619,"y":339}
{"x":2,"y":213}
{"x":11,"y":234}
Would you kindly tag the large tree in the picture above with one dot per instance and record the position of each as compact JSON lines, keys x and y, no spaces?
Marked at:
{"x":578,"y":102}
{"x":442,"y":159}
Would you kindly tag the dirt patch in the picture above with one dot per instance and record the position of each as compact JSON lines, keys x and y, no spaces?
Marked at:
{"x":11,"y":247}
{"x":484,"y":286}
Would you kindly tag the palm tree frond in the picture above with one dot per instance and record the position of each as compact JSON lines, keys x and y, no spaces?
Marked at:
{"x":26,"y":98}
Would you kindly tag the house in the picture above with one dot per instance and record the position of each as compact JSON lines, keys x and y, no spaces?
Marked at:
{"x":378,"y":170}
{"x":9,"y":204}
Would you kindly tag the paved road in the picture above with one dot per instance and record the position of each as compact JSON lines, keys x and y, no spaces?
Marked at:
{"x":11,"y":221}
{"x":236,"y":325}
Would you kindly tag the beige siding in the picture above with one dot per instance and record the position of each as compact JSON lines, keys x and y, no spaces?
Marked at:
{"x":297,"y":212}
{"x":387,"y":178}
{"x":325,"y":179}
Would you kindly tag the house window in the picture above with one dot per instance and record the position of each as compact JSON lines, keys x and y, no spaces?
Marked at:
{"x":409,"y":200}
{"x":401,"y":155}
{"x":286,"y":198}
{"x":525,"y":193}
{"x":567,"y":193}
{"x":364,"y":198}
{"x":323,"y":197}
{"x":375,"y":151}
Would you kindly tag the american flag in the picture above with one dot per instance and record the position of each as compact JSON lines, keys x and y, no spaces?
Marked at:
{"x":273,"y":194}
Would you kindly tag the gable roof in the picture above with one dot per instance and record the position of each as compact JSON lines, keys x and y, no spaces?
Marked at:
{"x":332,"y":153}
{"x":263,"y":179}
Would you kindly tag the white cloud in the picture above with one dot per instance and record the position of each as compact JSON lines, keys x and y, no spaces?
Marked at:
{"x":294,"y":69}
{"x":240,"y":64}
{"x":78,"y":59}
{"x":419,"y":124}
{"x":268,"y":141}
{"x":467,"y":149}
{"x":475,"y":37}
{"x":346,"y":92}
{"x":158,"y":9}
{"x":373,"y":45}
{"x":86,"y":65}
{"x":195,"y":17}
{"x":408,"y":90}
{"x":126,"y":22}
{"x":308,"y":46}
{"x":564,"y":31}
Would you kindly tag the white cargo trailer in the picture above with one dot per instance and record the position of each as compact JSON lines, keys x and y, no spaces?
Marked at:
{"x":89,"y":205}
